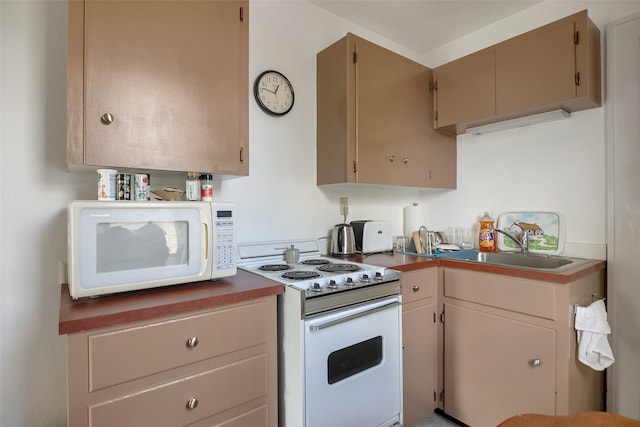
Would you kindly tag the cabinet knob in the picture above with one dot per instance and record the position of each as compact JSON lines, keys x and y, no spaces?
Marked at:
{"x":416,"y":288}
{"x":107,"y":118}
{"x":192,"y":342}
{"x":192,"y":403}
{"x":391,"y":158}
{"x":405,"y":160}
{"x":535,"y":362}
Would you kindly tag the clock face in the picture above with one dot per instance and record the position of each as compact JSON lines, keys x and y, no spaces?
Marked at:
{"x":273,"y":93}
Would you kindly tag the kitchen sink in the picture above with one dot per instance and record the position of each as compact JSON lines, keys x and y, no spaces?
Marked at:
{"x":519,"y":260}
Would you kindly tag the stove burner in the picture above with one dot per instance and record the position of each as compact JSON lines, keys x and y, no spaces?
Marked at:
{"x":316,"y":261}
{"x":339,"y":268}
{"x":300,"y":275}
{"x":275,"y":267}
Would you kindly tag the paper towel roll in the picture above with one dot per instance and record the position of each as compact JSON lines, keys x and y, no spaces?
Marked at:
{"x":413,"y":218}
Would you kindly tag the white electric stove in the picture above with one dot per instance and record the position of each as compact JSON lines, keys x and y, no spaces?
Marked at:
{"x":339,"y":331}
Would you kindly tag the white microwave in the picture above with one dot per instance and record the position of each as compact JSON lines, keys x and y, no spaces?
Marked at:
{"x":124,"y":246}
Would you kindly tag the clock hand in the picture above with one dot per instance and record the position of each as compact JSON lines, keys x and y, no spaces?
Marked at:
{"x":264,"y":88}
{"x":277,"y":87}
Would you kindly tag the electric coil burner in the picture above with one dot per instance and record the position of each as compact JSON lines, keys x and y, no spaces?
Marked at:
{"x":300,"y":275}
{"x":274,"y":267}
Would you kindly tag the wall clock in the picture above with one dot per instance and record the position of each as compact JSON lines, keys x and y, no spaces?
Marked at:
{"x":273,"y":93}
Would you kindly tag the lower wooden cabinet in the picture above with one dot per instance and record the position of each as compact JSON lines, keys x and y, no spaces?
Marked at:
{"x":216,"y":367}
{"x":496,"y":367}
{"x":419,"y":344}
{"x":510,"y":347}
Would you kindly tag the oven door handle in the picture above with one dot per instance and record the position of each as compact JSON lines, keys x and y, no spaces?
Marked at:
{"x":340,"y":320}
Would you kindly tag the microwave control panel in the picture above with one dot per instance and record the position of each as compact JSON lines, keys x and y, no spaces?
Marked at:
{"x":224,"y":239}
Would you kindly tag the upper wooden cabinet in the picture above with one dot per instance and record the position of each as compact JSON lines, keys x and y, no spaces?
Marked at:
{"x":373,"y":127}
{"x":465,"y":89}
{"x":159,"y":85}
{"x":556,"y":66}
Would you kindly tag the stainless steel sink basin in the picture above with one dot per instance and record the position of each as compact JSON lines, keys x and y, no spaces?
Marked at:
{"x":532,"y":261}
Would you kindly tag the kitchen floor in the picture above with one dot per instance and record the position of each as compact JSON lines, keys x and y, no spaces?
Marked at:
{"x":437,"y":419}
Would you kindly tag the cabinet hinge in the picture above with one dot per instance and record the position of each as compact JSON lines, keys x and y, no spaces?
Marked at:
{"x":432,"y":86}
{"x":241,"y":14}
{"x":355,"y":167}
{"x":442,"y":317}
{"x":435,"y":85}
{"x":442,"y":396}
{"x":435,"y":398}
{"x":578,"y":78}
{"x":576,"y":37}
{"x":355,"y":56}
{"x":435,"y":115}
{"x":434,"y":317}
{"x":241,"y":154}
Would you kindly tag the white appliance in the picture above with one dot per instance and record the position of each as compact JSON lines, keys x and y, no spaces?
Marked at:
{"x":372,"y":236}
{"x":340,"y":360}
{"x":124,"y":246}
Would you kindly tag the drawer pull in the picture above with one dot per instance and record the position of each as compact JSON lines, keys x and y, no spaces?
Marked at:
{"x":416,"y":288}
{"x":107,"y":118}
{"x":192,"y":342}
{"x":535,"y":362}
{"x":192,"y":403}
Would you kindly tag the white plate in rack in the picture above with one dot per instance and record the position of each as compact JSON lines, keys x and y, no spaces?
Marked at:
{"x":546,"y":231}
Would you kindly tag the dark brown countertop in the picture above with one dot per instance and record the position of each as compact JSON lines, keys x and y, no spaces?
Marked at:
{"x":405,"y":262}
{"x":110,"y":310}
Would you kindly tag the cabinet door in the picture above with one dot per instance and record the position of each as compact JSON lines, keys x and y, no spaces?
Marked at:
{"x":536,"y":69}
{"x":376,"y":114}
{"x":395,"y":143}
{"x":176,"y":93}
{"x":491,"y":371}
{"x":465,"y":90}
{"x":424,"y":157}
{"x":419,"y":344}
{"x":419,"y":362}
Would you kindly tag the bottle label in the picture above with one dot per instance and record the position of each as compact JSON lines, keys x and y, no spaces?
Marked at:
{"x":207,"y":192}
{"x":486,"y":238}
{"x":193,"y":190}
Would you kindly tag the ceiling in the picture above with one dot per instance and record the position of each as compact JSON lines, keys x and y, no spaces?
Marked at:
{"x":422,"y":25}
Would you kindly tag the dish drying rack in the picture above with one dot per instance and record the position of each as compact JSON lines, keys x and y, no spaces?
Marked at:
{"x":594,"y":297}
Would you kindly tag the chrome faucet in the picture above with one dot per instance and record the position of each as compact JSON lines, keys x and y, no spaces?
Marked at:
{"x":524,"y":237}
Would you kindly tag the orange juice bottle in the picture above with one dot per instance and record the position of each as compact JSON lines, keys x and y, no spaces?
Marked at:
{"x":486,"y":239}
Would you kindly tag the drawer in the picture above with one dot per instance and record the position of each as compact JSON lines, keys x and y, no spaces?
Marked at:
{"x":214,"y":390}
{"x":419,"y":284}
{"x":509,"y":293}
{"x":121,"y":355}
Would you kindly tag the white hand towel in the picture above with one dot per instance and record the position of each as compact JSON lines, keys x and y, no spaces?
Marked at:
{"x":592,"y":328}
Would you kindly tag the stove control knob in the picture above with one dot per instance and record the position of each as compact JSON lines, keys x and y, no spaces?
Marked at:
{"x":378,"y":276}
{"x":349,"y":280}
{"x":315,"y":288}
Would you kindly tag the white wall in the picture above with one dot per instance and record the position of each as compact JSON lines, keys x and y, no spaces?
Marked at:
{"x":623,"y":175}
{"x":278,"y":200}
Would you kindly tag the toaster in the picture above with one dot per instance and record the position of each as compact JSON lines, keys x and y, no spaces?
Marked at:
{"x":372,"y":236}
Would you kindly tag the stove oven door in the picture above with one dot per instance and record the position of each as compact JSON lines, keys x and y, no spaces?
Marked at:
{"x":353,"y":366}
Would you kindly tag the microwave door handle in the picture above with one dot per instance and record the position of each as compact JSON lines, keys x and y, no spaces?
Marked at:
{"x":205,"y":237}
